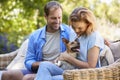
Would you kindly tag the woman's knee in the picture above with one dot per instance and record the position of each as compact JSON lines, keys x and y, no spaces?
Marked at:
{"x":12,"y":75}
{"x":5,"y":75}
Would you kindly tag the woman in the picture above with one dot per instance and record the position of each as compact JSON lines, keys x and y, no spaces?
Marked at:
{"x":83,"y":22}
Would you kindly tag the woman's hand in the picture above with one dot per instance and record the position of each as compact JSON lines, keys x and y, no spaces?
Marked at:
{"x":64,"y":56}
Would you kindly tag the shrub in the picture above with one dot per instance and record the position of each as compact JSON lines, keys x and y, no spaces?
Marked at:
{"x":5,"y":45}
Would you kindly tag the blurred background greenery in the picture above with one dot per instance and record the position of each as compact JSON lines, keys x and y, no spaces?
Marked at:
{"x":18,"y":18}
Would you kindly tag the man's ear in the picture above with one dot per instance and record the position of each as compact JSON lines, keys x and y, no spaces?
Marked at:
{"x":65,"y":40}
{"x":45,"y":16}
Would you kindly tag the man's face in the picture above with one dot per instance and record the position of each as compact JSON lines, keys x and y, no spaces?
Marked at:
{"x":54,"y":19}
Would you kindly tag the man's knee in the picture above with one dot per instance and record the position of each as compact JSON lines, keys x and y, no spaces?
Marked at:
{"x":45,"y":64}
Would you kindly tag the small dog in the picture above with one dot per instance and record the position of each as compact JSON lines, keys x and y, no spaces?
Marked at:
{"x":73,"y":50}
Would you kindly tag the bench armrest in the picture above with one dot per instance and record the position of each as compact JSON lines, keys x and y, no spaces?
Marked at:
{"x":5,"y":59}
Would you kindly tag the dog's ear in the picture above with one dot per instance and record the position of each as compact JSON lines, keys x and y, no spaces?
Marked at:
{"x":65,"y":40}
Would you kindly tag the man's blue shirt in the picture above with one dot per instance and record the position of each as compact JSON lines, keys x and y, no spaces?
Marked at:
{"x":37,"y":40}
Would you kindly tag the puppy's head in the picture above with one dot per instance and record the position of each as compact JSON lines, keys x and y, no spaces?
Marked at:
{"x":72,"y":47}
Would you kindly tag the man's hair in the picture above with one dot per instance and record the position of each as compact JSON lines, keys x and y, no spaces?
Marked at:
{"x":83,"y":14}
{"x":51,"y":4}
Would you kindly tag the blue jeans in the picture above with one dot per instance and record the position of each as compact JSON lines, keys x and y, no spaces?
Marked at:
{"x":49,"y":71}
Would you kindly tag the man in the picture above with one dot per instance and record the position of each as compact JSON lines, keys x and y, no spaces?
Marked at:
{"x":45,"y":44}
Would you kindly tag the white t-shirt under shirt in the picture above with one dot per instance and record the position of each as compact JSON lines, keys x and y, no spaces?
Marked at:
{"x":51,"y":49}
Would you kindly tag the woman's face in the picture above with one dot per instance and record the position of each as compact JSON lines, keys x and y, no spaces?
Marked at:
{"x":79,"y":27}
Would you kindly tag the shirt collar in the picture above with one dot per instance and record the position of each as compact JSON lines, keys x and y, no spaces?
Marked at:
{"x":43,"y":33}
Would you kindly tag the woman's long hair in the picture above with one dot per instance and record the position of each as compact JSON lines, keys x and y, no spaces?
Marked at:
{"x":83,"y":14}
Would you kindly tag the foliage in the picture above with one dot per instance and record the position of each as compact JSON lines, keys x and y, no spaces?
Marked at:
{"x":18,"y":18}
{"x":5,"y":46}
{"x":108,"y":30}
{"x":101,"y":9}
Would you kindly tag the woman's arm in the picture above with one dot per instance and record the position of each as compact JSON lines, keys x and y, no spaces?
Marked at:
{"x":93,"y":54}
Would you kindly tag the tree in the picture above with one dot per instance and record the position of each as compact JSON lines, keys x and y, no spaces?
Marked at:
{"x":18,"y":18}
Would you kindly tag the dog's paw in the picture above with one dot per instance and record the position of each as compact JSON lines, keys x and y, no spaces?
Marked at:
{"x":58,"y":63}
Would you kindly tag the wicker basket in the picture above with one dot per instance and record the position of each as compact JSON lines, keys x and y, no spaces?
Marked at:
{"x":111,"y":72}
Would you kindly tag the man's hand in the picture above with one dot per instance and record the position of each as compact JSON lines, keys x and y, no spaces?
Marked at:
{"x":35,"y":66}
